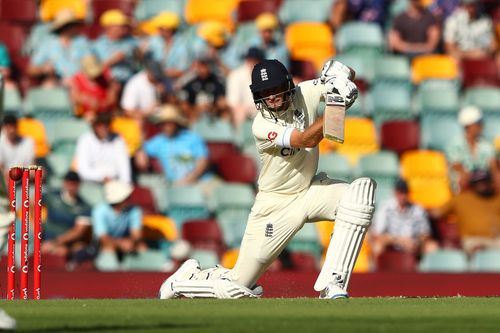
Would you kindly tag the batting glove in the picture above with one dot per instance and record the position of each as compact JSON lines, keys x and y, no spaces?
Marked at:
{"x":344,"y":87}
{"x":333,"y":68}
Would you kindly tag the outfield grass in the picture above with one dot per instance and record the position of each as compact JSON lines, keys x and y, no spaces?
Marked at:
{"x":259,"y":315}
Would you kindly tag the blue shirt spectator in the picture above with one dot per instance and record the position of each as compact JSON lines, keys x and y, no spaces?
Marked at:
{"x":4,"y":56}
{"x":106,"y":221}
{"x":267,"y":39}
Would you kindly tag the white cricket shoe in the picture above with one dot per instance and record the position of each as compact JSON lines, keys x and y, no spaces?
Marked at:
{"x":333,"y":291}
{"x":6,"y":321}
{"x":187,"y":269}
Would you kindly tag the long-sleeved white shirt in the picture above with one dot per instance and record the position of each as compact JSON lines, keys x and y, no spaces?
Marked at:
{"x":97,"y":159}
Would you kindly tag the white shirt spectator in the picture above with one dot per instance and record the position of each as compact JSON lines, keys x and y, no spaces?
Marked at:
{"x":468,"y":34}
{"x":21,"y":153}
{"x":139,"y":93}
{"x":411,"y":222}
{"x":238,"y":95}
{"x":98,"y":160}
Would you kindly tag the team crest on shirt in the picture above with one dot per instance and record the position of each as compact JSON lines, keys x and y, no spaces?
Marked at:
{"x":272,"y":136}
{"x":269,"y":230}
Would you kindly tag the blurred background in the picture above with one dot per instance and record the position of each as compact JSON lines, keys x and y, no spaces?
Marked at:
{"x":139,"y":112}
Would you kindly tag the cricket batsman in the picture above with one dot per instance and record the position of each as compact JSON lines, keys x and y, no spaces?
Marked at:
{"x":287,"y":130}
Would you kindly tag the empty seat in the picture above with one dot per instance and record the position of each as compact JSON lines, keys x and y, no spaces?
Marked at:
{"x":382,"y":166}
{"x":157,"y":184}
{"x":438,"y":98}
{"x":485,"y":98}
{"x":64,"y":132}
{"x":214,"y":130}
{"x":237,"y":168}
{"x":59,"y":164}
{"x":306,"y":240}
{"x":12,"y":101}
{"x":228,"y":197}
{"x":92,"y":193}
{"x":363,"y":65}
{"x":485,"y":261}
{"x":204,"y":234}
{"x":186,"y":203}
{"x":206,"y":258}
{"x":292,"y":11}
{"x":13,"y":36}
{"x":310,"y":41}
{"x":233,"y":228}
{"x":35,"y":129}
{"x":217,"y":150}
{"x":149,"y":261}
{"x":396,"y":261}
{"x":198,"y":11}
{"x":304,"y":262}
{"x":436,"y":133}
{"x":391,"y":103}
{"x":22,"y":11}
{"x":400,"y":135}
{"x":480,"y":72}
{"x":142,"y":197}
{"x":147,"y":9}
{"x":335,"y":166}
{"x":360,"y":38}
{"x":452,"y":261}
{"x":49,"y":103}
{"x":434,"y":67}
{"x":392,"y":69}
{"x":248,"y":10}
{"x":360,"y":139}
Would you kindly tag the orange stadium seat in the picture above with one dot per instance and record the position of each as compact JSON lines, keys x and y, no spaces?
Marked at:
{"x":197,"y":11}
{"x":434,"y":67}
{"x":229,"y":258}
{"x":35,"y":129}
{"x":50,"y":8}
{"x":311,"y":41}
{"x":130,"y":131}
{"x":360,"y":139}
{"x":159,"y":226}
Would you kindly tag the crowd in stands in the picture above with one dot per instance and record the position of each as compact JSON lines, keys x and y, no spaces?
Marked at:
{"x":140,"y":113}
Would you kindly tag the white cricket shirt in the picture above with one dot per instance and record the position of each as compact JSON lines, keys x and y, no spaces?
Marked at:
{"x":288,"y":170}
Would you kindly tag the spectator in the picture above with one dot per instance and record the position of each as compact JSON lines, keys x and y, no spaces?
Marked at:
{"x":373,"y":11}
{"x":116,"y":48}
{"x":269,"y":39}
{"x":470,"y":152}
{"x":60,"y":56}
{"x":204,"y":94}
{"x":401,"y":225}
{"x":5,"y":69}
{"x":15,"y":150}
{"x":468,"y":34}
{"x":183,"y":154}
{"x":239,"y":97}
{"x":117,"y":226}
{"x":476,"y":211}
{"x":67,"y":228}
{"x":93,"y":90}
{"x":415,"y":31}
{"x":102,"y":155}
{"x":146,"y":91}
{"x":168,"y":47}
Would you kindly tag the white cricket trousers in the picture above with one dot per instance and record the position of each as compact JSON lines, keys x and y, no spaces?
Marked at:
{"x":276,"y":218}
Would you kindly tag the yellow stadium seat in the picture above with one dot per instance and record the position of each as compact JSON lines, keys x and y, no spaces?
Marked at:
{"x":130,"y":130}
{"x":360,"y":139}
{"x":429,"y":193}
{"x":34,"y":129}
{"x":229,"y":258}
{"x":159,"y":226}
{"x":497,"y":143}
{"x":312,"y":41}
{"x":434,"y":67}
{"x":197,"y":11}
{"x":424,"y":164}
{"x":325,"y":229}
{"x":363,"y":263}
{"x":50,"y":8}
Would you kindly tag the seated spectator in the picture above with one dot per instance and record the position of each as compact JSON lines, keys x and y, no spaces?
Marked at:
{"x":116,"y":225}
{"x":476,"y":210}
{"x":470,"y":152}
{"x":169,"y":47}
{"x":116,"y":48}
{"x":5,"y":69}
{"x":146,"y":91}
{"x":239,"y":97}
{"x":401,"y":225}
{"x":92,"y":90}
{"x":468,"y":34}
{"x":204,"y":94}
{"x":61,"y":55}
{"x":269,"y":39}
{"x":67,"y":228}
{"x":15,"y":150}
{"x":415,"y":31}
{"x":183,"y":154}
{"x":373,"y":11}
{"x":102,"y":155}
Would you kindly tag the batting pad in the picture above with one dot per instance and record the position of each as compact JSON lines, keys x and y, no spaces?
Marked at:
{"x":219,"y":288}
{"x":354,"y":215}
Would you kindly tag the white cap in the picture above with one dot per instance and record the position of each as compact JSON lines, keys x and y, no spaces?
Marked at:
{"x":116,"y":192}
{"x":469,"y":115}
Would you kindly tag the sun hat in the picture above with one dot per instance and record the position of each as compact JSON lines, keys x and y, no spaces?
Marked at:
{"x":116,"y":192}
{"x":113,"y":17}
{"x":166,"y":20}
{"x":213,"y":32}
{"x":266,"y":21}
{"x":469,"y":115}
{"x":170,"y":112}
{"x":64,"y":18}
{"x":91,"y":67}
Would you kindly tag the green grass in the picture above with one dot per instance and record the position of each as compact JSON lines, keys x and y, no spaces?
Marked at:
{"x":259,"y":315}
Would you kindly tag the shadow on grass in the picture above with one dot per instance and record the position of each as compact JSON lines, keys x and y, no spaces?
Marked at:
{"x":110,"y":328}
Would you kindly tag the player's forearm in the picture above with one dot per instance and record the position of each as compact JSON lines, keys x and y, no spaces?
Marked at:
{"x":310,"y":137}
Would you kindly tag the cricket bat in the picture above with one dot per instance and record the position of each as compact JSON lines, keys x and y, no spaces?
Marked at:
{"x":333,"y":123}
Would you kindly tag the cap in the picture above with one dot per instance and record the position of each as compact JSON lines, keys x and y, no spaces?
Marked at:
{"x":401,"y":186}
{"x":171,"y":112}
{"x":116,"y":191}
{"x":72,"y":176}
{"x":266,"y":21}
{"x":255,"y":53}
{"x":469,"y":115}
{"x":113,"y":17}
{"x":91,"y":67}
{"x":166,"y":20}
{"x":64,"y":18}
{"x":213,"y":32}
